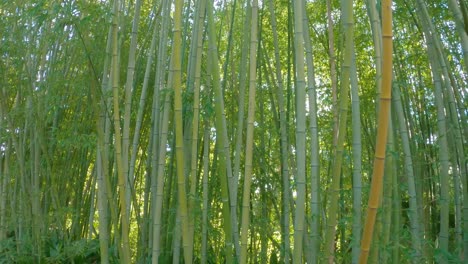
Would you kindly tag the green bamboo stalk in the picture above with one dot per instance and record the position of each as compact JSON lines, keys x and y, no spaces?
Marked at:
{"x":250,"y":134}
{"x":299,"y":226}
{"x":232,"y":179}
{"x":170,"y":224}
{"x":450,"y":88}
{"x":314,"y":146}
{"x":413,"y":203}
{"x":396,"y":221}
{"x":144,"y":95}
{"x":347,"y":8}
{"x":4,"y":182}
{"x":357,"y":166}
{"x":240,"y":120}
{"x":179,"y":138}
{"x":102,"y":188}
{"x":387,"y":203}
{"x":221,"y":131}
{"x":333,"y":73}
{"x":437,"y":67}
{"x":206,"y":152}
{"x":128,"y":104}
{"x":159,"y":134}
{"x":102,"y":209}
{"x":195,"y":122}
{"x":118,"y":141}
{"x":283,"y":138}
{"x":241,"y":100}
{"x":377,"y":41}
{"x":460,"y":23}
{"x":158,"y":176}
{"x":176,"y":238}
{"x":443,"y":157}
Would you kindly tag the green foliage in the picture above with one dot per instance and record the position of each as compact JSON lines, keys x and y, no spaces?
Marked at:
{"x":55,"y":251}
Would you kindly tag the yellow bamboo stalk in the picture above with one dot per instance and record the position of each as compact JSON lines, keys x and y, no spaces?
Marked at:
{"x":382,"y":129}
{"x":179,"y":137}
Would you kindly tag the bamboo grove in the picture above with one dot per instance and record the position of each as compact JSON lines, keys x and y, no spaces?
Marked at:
{"x":233,"y":131}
